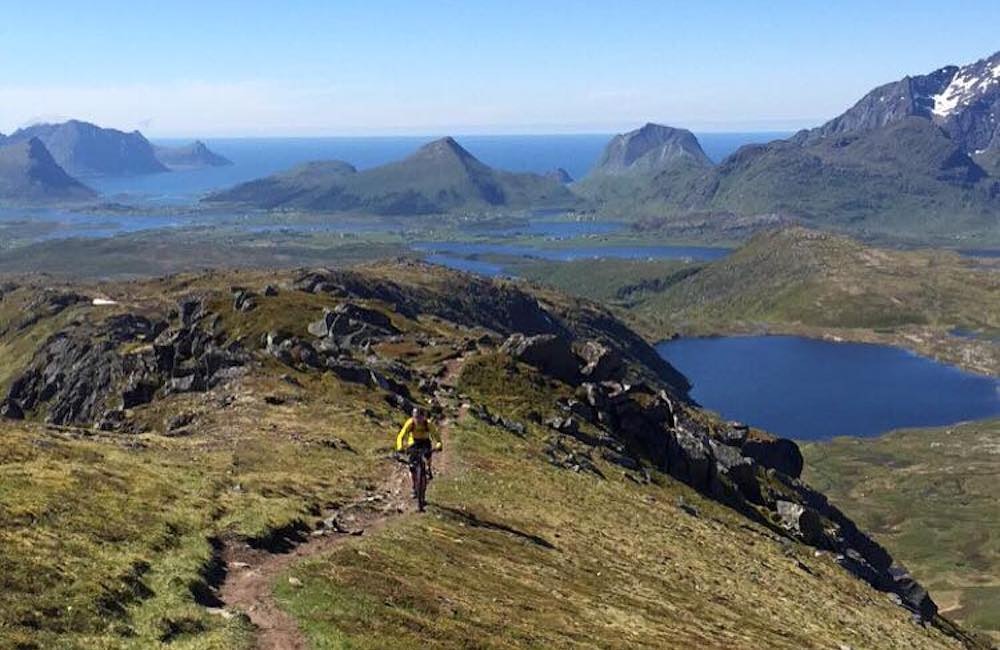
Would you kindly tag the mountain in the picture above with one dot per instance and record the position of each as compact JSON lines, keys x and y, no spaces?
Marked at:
{"x":559,"y":175}
{"x":633,"y":162}
{"x":916,"y":159}
{"x":963,"y":101}
{"x":650,"y":149}
{"x":29,"y":173}
{"x":84,"y":149}
{"x":232,"y":417}
{"x":439,"y":177}
{"x":193,"y":156}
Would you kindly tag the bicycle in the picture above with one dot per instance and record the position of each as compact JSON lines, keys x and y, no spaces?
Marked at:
{"x":416,"y":459}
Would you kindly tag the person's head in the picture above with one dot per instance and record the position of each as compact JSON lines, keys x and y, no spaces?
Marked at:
{"x":419,"y":414}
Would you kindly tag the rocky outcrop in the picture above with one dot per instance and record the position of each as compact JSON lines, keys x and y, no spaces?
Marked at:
{"x":779,"y":454}
{"x":550,"y":353}
{"x":89,"y":374}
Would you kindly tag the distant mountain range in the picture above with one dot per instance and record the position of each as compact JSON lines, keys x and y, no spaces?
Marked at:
{"x":192,"y":156}
{"x":919,"y":157}
{"x":49,"y":154}
{"x":439,"y":177}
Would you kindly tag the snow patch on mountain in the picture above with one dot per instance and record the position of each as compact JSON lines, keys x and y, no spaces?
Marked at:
{"x":965,"y":87}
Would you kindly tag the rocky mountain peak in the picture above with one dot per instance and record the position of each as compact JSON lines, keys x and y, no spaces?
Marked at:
{"x":651,"y":148}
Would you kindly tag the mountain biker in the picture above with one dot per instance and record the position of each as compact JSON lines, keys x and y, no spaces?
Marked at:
{"x":419,"y":435}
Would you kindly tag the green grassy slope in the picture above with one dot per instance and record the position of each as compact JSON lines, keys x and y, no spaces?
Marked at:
{"x":517,"y":553}
{"x":937,"y":509}
{"x":807,"y":282}
{"x":111,"y":540}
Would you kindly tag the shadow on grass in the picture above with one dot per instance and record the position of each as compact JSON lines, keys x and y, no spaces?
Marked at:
{"x":473,"y":521}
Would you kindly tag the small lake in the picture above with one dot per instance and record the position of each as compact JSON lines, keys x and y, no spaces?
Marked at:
{"x":464,"y":255}
{"x":810,"y":390}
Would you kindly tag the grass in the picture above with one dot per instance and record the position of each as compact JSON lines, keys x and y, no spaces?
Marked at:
{"x":936,"y":510}
{"x":807,"y":283}
{"x":518,"y":553}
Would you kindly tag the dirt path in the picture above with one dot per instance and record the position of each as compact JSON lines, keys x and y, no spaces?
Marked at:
{"x":250,"y":573}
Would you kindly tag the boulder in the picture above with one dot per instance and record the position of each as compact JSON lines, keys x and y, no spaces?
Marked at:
{"x":321,"y":328}
{"x":551,"y":354}
{"x":779,"y":454}
{"x":189,"y":310}
{"x":741,"y":470}
{"x":912,"y":592}
{"x":600,"y":362}
{"x":11,"y":410}
{"x":243,"y":301}
{"x":802,"y":521}
{"x":270,"y":290}
{"x":689,"y":459}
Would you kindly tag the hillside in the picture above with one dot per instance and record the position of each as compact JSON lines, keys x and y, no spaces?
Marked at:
{"x":936,"y":511}
{"x":914,"y":160}
{"x":191,"y":156}
{"x":799,"y":281}
{"x":439,"y":177}
{"x":29,"y":174}
{"x":85,"y":149}
{"x":202,"y":426}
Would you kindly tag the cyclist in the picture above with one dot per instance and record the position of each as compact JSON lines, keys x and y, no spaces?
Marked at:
{"x":419,"y":435}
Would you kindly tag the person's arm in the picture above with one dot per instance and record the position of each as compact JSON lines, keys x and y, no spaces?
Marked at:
{"x":405,"y":431}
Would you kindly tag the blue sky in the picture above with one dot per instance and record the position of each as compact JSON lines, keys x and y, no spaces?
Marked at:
{"x":315,"y":67}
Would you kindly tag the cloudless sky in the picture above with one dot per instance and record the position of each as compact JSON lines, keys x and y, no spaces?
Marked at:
{"x":328,"y":67}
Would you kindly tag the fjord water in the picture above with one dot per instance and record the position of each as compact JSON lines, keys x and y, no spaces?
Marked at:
{"x":809,"y":389}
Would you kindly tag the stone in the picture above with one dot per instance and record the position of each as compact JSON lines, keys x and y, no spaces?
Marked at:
{"x":801,"y":520}
{"x":601,"y":362}
{"x":551,"y":354}
{"x":779,"y":454}
{"x":689,"y":459}
{"x":270,"y":290}
{"x":11,"y":410}
{"x":912,"y":593}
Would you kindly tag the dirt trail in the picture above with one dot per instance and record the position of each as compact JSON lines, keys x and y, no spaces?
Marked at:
{"x":251,"y":573}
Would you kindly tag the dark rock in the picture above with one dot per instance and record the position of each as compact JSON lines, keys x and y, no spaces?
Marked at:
{"x":550,"y":353}
{"x":912,"y":593}
{"x":689,"y":458}
{"x":190,"y":310}
{"x":601,"y":362}
{"x":735,"y":435}
{"x":179,"y":421}
{"x":243,"y":301}
{"x":11,"y":410}
{"x":564,"y":425}
{"x":270,"y":290}
{"x":742,"y":471}
{"x":111,"y":420}
{"x":780,"y":454}
{"x":801,"y":520}
{"x":192,"y":383}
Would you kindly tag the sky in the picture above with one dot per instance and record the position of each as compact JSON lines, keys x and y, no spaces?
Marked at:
{"x":228,"y":68}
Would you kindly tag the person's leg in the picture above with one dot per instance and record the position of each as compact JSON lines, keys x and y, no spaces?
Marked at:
{"x":430,"y":471}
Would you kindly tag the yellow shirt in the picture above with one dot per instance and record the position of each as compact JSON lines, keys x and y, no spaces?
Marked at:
{"x":412,"y":431}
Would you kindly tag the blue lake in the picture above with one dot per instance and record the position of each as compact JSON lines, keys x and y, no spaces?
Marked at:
{"x":463,"y":255}
{"x":809,"y":390}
